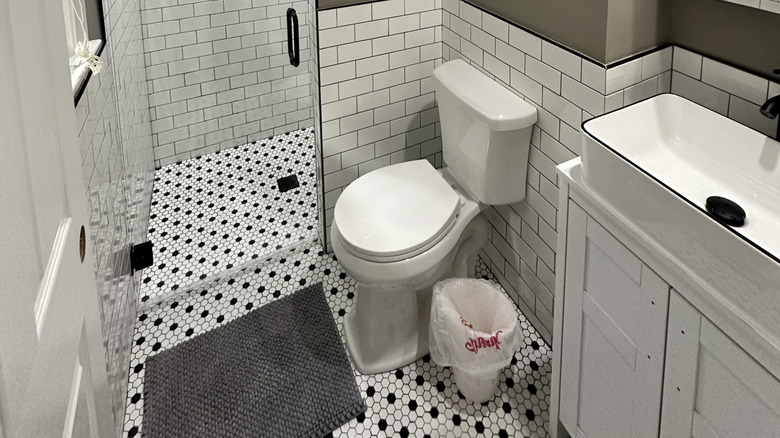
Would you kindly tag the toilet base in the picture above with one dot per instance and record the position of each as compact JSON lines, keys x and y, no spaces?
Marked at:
{"x":387,"y":327}
{"x":382,"y":329}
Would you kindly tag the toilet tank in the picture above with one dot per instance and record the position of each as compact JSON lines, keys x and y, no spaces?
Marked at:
{"x":486,"y":133}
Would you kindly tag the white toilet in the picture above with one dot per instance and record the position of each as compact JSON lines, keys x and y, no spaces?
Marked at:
{"x":399,"y":229}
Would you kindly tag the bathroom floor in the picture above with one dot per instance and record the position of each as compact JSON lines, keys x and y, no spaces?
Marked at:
{"x":419,"y":399}
{"x":222,"y":210}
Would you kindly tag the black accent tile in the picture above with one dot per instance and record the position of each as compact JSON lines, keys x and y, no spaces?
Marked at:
{"x":287,"y":183}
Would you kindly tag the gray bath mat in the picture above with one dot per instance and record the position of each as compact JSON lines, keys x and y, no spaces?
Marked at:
{"x":279,"y":371}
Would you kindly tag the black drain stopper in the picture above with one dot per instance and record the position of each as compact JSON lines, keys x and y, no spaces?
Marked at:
{"x":726,"y":211}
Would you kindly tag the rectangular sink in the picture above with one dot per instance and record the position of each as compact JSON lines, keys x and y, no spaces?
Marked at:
{"x":694,"y":153}
{"x":654,"y":163}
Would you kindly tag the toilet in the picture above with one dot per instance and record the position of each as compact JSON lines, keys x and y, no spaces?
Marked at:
{"x":399,"y":229}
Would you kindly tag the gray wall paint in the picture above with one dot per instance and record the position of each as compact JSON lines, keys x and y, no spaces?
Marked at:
{"x":605,"y":30}
{"x":578,"y":24}
{"x":330,"y":4}
{"x":740,"y":35}
{"x":636,"y":26}
{"x":609,"y":30}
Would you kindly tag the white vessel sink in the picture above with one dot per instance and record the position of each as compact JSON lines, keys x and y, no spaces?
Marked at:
{"x":655,"y":163}
{"x":694,"y":153}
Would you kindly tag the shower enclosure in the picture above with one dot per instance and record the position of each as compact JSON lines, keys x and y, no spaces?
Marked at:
{"x":232,"y":130}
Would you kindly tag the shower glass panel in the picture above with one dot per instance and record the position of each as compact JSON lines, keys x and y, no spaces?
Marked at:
{"x":231,"y":112}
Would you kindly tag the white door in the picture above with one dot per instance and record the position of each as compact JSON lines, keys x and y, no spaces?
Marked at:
{"x":53,"y":379}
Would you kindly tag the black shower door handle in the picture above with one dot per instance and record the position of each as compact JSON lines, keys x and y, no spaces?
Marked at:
{"x":293,"y":39}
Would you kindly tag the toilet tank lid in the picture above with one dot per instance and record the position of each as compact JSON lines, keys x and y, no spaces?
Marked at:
{"x":496,"y":105}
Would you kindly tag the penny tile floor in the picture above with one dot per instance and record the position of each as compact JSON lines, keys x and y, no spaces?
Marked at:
{"x":227,"y":241}
{"x":419,"y":399}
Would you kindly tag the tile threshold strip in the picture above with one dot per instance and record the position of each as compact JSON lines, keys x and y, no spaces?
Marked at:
{"x":219,"y":276}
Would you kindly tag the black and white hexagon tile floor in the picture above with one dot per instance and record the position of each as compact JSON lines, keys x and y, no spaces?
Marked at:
{"x":219,"y":211}
{"x":417,"y":400}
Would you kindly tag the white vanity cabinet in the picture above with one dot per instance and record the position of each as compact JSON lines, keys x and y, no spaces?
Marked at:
{"x":615,"y":314}
{"x":635,"y":358}
{"x":712,"y":387}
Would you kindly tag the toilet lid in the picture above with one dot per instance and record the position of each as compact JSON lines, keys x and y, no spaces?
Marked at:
{"x":396,"y":210}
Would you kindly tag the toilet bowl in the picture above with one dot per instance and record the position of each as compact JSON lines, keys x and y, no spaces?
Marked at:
{"x":399,"y":229}
{"x":387,"y":325}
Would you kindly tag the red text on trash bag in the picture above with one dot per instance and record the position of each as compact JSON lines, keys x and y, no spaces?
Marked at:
{"x":476,"y":344}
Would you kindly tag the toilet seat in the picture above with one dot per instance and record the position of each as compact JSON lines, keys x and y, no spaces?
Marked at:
{"x":396,"y":212}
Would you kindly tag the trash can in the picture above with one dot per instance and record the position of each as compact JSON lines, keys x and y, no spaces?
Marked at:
{"x":474,"y":329}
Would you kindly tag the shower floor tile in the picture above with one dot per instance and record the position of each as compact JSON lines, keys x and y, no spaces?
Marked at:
{"x":416,"y":400}
{"x":219,"y":211}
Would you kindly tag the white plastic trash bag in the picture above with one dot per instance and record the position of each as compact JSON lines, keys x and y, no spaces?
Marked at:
{"x":473,"y":328}
{"x":473,"y":325}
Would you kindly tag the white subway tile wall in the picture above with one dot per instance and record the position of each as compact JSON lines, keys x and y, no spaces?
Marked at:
{"x":566,"y":90}
{"x":219,"y":74}
{"x":378,"y":108}
{"x":727,"y":90}
{"x":375,"y":88}
{"x":314,"y":91}
{"x":118,"y":168}
{"x":369,"y":80}
{"x":766,"y":5}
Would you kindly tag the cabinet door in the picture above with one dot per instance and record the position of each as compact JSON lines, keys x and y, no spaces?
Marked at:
{"x":614,"y":332}
{"x":713,"y":388}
